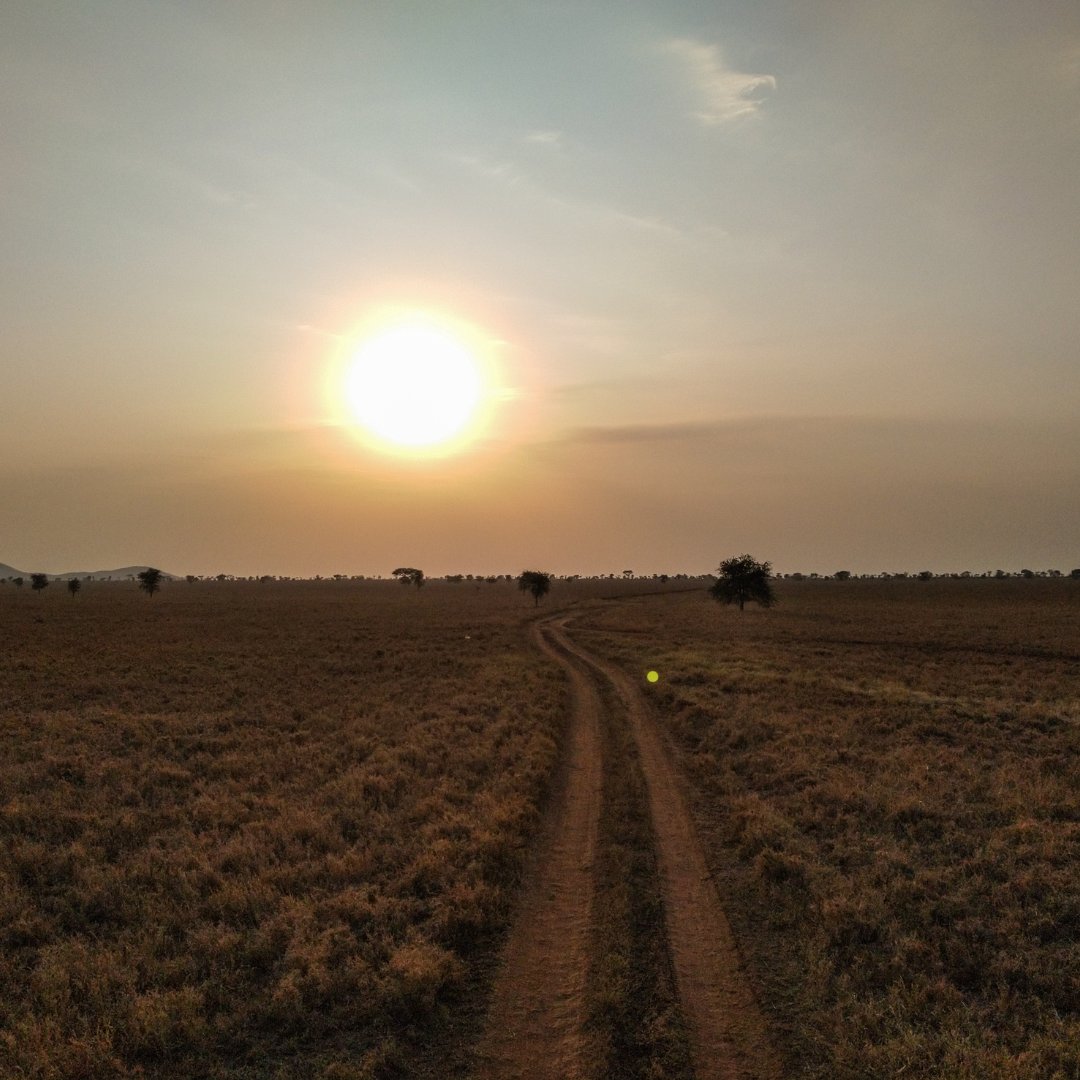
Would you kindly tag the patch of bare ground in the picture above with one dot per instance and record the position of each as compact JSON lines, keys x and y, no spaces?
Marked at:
{"x":536,"y":1024}
{"x":637,"y":1025}
{"x":728,"y":1034}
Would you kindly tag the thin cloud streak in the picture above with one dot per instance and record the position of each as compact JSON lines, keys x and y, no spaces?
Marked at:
{"x":1002,"y":450}
{"x":509,"y":175}
{"x":728,"y":95}
{"x":544,"y":138}
{"x":639,"y":433}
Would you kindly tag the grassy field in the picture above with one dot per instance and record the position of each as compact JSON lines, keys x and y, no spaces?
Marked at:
{"x":259,"y":830}
{"x":887,"y":775}
{"x":275,"y":830}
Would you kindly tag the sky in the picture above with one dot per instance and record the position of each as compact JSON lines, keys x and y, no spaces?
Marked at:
{"x":792,"y":277}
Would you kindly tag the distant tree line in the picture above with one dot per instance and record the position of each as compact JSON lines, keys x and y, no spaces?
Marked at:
{"x":151,"y":579}
{"x":929,"y":575}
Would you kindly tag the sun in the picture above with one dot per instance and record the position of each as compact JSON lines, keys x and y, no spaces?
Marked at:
{"x":415,"y":386}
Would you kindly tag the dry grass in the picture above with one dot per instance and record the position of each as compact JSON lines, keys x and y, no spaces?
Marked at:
{"x":888,"y":777}
{"x":258,"y":830}
{"x":276,"y":830}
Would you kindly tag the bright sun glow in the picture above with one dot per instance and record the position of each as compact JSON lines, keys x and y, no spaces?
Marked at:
{"x":415,"y":386}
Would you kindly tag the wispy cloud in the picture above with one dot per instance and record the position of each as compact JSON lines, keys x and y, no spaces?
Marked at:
{"x":509,"y":175}
{"x":727,"y":94}
{"x":179,"y":178}
{"x":544,"y":138}
{"x":643,"y":433}
{"x":318,"y":331}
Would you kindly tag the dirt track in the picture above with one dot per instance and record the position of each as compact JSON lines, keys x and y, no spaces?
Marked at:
{"x":534,"y":1027}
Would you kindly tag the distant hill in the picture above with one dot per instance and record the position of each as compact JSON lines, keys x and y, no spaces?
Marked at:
{"x":122,"y":573}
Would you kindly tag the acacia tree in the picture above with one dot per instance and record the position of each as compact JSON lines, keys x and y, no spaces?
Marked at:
{"x":742,"y":578}
{"x":535,"y":582}
{"x":74,"y":585}
{"x":150,"y":580}
{"x":39,"y":581}
{"x":409,"y":575}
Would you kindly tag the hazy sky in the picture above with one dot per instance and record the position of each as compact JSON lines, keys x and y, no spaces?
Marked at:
{"x":800,"y":278}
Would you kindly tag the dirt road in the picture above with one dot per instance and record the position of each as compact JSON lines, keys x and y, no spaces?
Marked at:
{"x":534,"y":1026}
{"x":730,"y":1040}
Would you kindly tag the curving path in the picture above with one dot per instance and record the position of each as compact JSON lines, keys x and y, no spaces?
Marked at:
{"x":535,"y":1023}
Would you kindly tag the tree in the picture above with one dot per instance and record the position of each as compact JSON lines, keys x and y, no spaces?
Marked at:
{"x":742,"y":579}
{"x":842,"y":575}
{"x":74,"y":585}
{"x":409,"y":575}
{"x":150,"y":580}
{"x":535,"y":582}
{"x":18,"y":582}
{"x":39,"y":581}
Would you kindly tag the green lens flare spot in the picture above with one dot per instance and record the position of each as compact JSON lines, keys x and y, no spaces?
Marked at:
{"x":653,"y":676}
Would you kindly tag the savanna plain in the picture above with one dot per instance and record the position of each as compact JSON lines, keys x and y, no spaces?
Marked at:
{"x":274,"y":830}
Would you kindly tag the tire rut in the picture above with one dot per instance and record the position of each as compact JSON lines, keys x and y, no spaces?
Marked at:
{"x":728,"y":1032}
{"x":535,"y":1027}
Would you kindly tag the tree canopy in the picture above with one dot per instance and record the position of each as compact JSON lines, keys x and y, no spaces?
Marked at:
{"x":409,"y":575}
{"x":39,"y":582}
{"x":743,"y":579}
{"x":535,"y":582}
{"x":150,"y":580}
